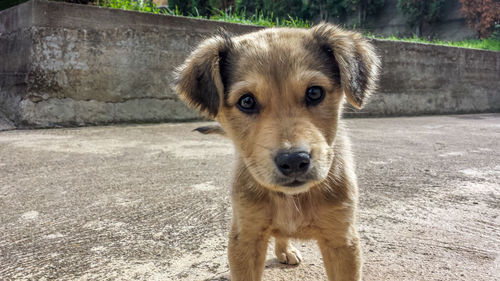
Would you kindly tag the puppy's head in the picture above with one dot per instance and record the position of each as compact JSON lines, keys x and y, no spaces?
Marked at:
{"x":278,"y":94}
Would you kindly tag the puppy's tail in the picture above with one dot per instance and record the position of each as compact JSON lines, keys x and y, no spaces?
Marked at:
{"x":214,"y":129}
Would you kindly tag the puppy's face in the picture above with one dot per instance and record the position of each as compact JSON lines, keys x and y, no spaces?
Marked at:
{"x":278,"y":95}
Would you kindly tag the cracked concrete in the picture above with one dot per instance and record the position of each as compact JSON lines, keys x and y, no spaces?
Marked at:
{"x":151,"y":202}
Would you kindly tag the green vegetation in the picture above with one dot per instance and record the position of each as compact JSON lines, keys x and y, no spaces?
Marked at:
{"x":313,"y":9}
{"x":259,"y":18}
{"x":282,"y":18}
{"x":141,"y":5}
{"x":227,"y":15}
{"x":418,"y":12}
{"x":269,"y":20}
{"x":484,"y":44}
{"x":5,"y":4}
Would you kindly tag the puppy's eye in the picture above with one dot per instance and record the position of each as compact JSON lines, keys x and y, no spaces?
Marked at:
{"x":314,"y":95}
{"x":248,"y":104}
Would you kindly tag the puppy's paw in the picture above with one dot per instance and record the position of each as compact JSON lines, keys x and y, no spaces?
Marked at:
{"x":290,"y":256}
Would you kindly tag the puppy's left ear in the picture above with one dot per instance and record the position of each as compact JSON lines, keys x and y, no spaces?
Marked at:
{"x":199,"y":81}
{"x":356,"y":60}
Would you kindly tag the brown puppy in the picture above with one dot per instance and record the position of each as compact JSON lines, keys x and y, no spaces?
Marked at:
{"x":278,"y":94}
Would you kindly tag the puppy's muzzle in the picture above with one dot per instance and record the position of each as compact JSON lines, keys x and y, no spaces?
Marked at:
{"x":293,"y":164}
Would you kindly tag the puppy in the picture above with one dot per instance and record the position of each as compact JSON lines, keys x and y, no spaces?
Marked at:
{"x":278,"y":95}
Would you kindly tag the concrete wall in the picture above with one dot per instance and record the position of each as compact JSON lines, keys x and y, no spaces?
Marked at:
{"x":64,"y":64}
{"x":428,"y":79}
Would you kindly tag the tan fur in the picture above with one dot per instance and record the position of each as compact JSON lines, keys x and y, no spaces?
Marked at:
{"x":277,"y":66}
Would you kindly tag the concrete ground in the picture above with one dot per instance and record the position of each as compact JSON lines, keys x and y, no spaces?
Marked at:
{"x":151,"y":202}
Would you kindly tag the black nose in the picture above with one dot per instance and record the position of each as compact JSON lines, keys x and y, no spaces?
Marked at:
{"x":293,"y":164}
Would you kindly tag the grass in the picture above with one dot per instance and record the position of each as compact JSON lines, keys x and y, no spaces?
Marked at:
{"x":219,"y":15}
{"x":484,"y":44}
{"x":259,"y":18}
{"x":140,"y":6}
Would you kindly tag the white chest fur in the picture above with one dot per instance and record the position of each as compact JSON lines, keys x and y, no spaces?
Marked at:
{"x":289,"y":214}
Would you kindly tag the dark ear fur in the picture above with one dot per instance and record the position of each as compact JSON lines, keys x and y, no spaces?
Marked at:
{"x":355,"y":57}
{"x":213,"y":129}
{"x":198,"y":80}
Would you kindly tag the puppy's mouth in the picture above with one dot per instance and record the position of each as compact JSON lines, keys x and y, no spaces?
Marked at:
{"x":294,"y":183}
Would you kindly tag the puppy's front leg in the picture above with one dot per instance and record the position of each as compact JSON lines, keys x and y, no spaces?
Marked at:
{"x":247,"y":254}
{"x":342,"y":263}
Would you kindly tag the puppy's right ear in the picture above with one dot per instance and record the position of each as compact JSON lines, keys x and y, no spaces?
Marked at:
{"x":198,"y":81}
{"x":355,"y":57}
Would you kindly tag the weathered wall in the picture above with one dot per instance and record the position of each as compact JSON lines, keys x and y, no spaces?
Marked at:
{"x":428,"y":79}
{"x":15,"y":42}
{"x":63,"y":64}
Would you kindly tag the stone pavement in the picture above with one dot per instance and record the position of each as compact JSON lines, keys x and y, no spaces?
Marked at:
{"x":151,"y":202}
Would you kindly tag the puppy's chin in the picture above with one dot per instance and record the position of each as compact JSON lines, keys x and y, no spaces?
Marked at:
{"x":304,"y":187}
{"x":290,"y":188}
